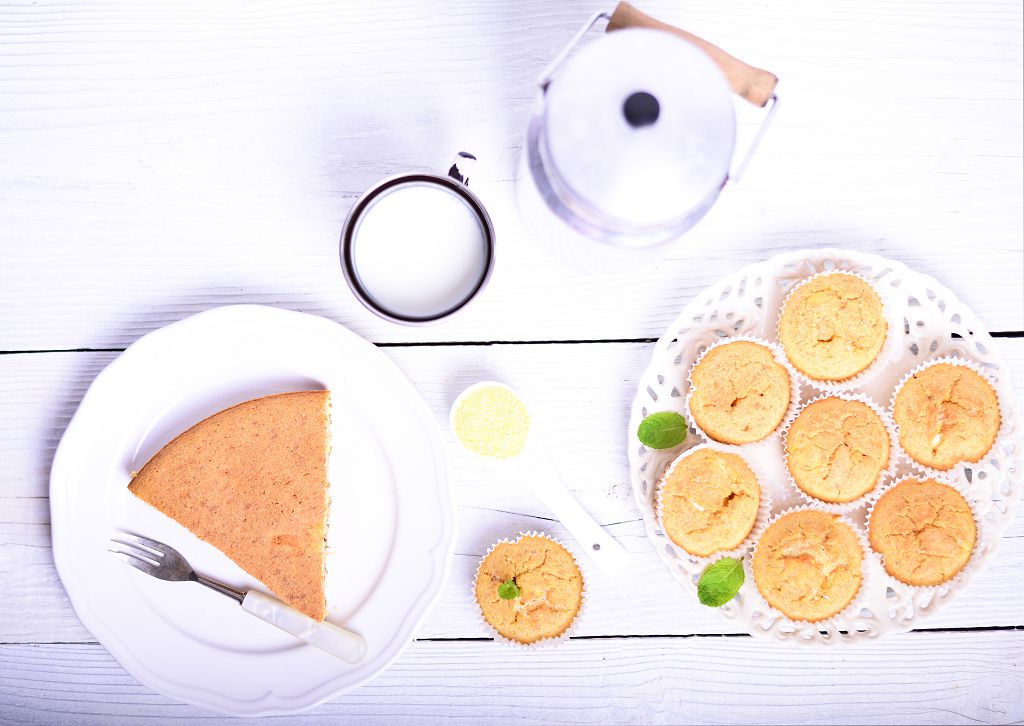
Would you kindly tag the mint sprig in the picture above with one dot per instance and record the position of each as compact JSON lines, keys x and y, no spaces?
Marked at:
{"x":720,"y":582}
{"x":662,"y":430}
{"x":508,"y":590}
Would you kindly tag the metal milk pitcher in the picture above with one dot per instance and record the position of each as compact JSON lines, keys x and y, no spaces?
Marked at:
{"x":632,"y":139}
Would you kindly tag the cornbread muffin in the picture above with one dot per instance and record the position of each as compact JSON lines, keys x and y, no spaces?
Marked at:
{"x":946,"y":414}
{"x":924,"y":530}
{"x":837,"y":449}
{"x":740,"y":393}
{"x":252,"y":481}
{"x":550,"y":588}
{"x":807,"y":565}
{"x":832,"y":327}
{"x":709,"y":501}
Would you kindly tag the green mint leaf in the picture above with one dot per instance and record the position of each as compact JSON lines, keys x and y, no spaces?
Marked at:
{"x":508,"y":590}
{"x":720,"y":582}
{"x":662,"y":430}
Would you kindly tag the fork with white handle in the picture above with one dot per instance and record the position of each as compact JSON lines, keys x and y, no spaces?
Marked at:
{"x":164,"y":562}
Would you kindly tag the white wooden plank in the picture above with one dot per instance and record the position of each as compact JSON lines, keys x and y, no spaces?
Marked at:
{"x":161,"y":160}
{"x":642,"y":600}
{"x":913,"y":679}
{"x":579,"y":395}
{"x":566,"y":384}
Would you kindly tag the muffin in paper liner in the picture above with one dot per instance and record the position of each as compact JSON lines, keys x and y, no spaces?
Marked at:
{"x":841,"y":620}
{"x":958,"y":468}
{"x":543,"y":642}
{"x":884,"y":477}
{"x":980,"y":537}
{"x":780,"y":358}
{"x":764,"y":506}
{"x":890,"y":347}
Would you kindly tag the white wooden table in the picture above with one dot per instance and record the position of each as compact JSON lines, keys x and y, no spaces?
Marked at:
{"x":161,"y":159}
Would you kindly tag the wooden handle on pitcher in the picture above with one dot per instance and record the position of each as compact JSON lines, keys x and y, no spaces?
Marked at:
{"x":754,"y":84}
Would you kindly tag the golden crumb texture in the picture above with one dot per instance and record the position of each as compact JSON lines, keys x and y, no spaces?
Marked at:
{"x":946,"y":414}
{"x":832,"y":327}
{"x":740,"y":393}
{"x":807,"y":565}
{"x":924,"y":530}
{"x":836,"y":449}
{"x":252,"y":481}
{"x":550,"y":583}
{"x":709,"y":502}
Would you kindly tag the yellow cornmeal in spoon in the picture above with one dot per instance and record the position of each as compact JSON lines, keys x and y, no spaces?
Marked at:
{"x":492,"y":421}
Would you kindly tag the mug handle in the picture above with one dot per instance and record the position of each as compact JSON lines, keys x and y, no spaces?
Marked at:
{"x":754,"y":84}
{"x":462,"y":164}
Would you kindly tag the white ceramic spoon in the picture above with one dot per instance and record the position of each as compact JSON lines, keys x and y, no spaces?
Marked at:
{"x":532,"y":468}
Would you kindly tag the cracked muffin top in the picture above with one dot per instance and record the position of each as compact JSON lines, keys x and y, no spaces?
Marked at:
{"x":924,"y":530}
{"x":832,"y":327}
{"x":946,"y":414}
{"x":708,"y":501}
{"x":546,"y":592}
{"x":807,"y":565}
{"x":740,"y":393}
{"x":836,"y":449}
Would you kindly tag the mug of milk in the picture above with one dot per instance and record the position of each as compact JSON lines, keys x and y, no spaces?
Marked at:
{"x":416,"y":248}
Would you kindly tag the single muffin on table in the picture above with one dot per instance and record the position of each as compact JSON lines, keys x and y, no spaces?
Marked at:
{"x":708,"y":501}
{"x":832,"y":327}
{"x":837,"y":449}
{"x":530,"y":589}
{"x":924,"y":530}
{"x":946,"y":414}
{"x":808,"y":565}
{"x":740,"y":393}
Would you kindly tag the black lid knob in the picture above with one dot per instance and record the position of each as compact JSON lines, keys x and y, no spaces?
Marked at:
{"x":641,"y":109}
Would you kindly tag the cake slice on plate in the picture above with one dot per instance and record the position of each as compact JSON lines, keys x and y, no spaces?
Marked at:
{"x":252,"y":481}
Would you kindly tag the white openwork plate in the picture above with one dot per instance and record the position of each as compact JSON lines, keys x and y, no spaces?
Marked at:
{"x":391,"y":529}
{"x":928,"y":322}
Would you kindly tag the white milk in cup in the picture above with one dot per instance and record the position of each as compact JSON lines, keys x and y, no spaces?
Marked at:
{"x":416,"y":248}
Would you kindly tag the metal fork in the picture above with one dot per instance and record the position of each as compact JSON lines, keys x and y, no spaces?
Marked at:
{"x":166,"y":563}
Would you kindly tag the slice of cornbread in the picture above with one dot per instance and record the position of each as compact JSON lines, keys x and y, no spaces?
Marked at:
{"x":252,"y":481}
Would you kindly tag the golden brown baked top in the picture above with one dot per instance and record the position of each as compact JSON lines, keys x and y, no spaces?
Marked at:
{"x":550,"y":584}
{"x":836,"y":449}
{"x":252,"y":481}
{"x":946,"y":414}
{"x":924,"y":530}
{"x":807,"y":565}
{"x":709,"y":502}
{"x":740,"y":393}
{"x":832,"y":327}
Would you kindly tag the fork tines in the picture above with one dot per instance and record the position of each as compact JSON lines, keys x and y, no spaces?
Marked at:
{"x":139,"y":552}
{"x":157,"y":548}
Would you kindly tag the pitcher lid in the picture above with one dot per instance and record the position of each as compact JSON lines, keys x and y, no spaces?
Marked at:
{"x":638,"y":128}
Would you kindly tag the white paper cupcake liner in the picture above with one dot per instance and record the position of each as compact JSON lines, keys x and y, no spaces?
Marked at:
{"x":1004,"y":414}
{"x":764,"y":507}
{"x":780,"y":358}
{"x":543,"y":642}
{"x":842,"y":619}
{"x":885,"y":476}
{"x":889,"y":351}
{"x":980,"y":538}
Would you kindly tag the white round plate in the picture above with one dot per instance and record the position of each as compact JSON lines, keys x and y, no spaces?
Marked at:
{"x":391,"y":528}
{"x":926,"y":321}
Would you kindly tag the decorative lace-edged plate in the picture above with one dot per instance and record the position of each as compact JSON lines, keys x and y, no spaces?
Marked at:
{"x":928,"y":322}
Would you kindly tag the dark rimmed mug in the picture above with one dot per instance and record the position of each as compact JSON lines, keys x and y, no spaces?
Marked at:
{"x":455,"y":182}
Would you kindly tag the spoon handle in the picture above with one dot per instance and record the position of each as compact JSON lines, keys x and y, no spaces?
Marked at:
{"x":541,"y":478}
